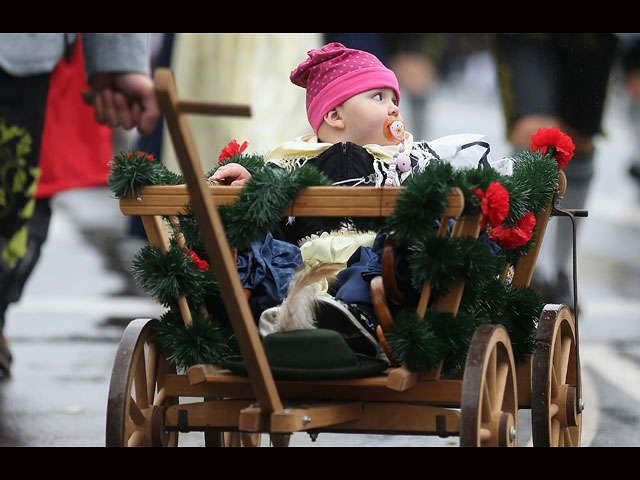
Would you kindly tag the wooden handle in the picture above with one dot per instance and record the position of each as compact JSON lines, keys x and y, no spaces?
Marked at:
{"x":191,"y":107}
{"x":380,"y":306}
{"x":389,"y":272}
{"x":385,"y":347}
{"x":214,"y":108}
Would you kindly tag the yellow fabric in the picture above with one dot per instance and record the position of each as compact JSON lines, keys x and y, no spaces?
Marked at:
{"x":295,"y":153}
{"x":332,"y":247}
{"x":243,"y":68}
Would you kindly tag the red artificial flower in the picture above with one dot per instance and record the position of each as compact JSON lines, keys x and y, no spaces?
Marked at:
{"x":139,"y":153}
{"x":230,"y":150}
{"x":201,"y":265}
{"x":561,"y":143}
{"x":145,"y":155}
{"x":510,"y":238}
{"x":494,"y":204}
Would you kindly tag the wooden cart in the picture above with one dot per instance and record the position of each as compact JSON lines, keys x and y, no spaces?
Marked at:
{"x":479,"y":404}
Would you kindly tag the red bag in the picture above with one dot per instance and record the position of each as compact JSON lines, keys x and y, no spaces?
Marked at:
{"x":75,"y":150}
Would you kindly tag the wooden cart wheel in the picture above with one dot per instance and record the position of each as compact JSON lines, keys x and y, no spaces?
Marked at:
{"x":489,"y":404}
{"x":556,"y":412}
{"x":136,"y":404}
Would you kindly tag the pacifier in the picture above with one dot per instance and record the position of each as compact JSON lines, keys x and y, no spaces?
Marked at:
{"x":394,"y":129}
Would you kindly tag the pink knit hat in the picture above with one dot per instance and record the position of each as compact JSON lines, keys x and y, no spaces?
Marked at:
{"x":335,"y":73}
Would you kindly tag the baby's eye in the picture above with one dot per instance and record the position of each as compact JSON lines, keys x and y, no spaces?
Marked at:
{"x":377,"y":96}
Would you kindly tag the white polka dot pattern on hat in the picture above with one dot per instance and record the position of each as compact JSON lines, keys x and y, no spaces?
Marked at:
{"x":329,"y":63}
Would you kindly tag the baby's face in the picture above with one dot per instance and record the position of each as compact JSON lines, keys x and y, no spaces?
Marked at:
{"x":365,"y":115}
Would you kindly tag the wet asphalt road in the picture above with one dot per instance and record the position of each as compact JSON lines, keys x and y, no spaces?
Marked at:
{"x":65,"y":331}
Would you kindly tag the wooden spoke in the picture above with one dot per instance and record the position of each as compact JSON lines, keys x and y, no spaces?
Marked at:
{"x":563,"y":361}
{"x":555,"y":429}
{"x":137,"y":391}
{"x":502,"y":378}
{"x":152,"y":370}
{"x":135,"y":414}
{"x":159,"y":399}
{"x":140,"y":381}
{"x":136,"y":439}
{"x":555,"y":414}
{"x":487,"y":408}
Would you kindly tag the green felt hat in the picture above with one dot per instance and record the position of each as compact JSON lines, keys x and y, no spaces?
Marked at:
{"x":317,"y":354}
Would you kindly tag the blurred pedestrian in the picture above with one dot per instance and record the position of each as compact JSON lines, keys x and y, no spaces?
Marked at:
{"x":117,"y":70}
{"x":557,"y":80}
{"x":239,"y":68}
{"x":630,"y":63}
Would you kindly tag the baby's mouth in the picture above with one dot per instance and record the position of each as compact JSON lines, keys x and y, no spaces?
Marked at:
{"x":393,"y":129}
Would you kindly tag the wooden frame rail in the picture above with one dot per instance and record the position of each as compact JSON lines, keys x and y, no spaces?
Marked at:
{"x":312,"y":202}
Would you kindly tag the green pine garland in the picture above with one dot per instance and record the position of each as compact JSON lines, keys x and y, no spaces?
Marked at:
{"x":533,"y":182}
{"x":166,"y":277}
{"x":262,"y":201}
{"x":133,"y":170}
{"x":203,"y":342}
{"x":441,"y":261}
{"x":415,"y":342}
{"x":421,"y":203}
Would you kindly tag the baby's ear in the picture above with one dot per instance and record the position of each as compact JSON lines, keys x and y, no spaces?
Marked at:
{"x":334,"y":119}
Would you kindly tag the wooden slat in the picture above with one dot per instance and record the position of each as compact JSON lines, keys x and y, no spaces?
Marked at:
{"x":455,"y":202}
{"x":402,"y":418}
{"x":312,"y":202}
{"x":527,"y":264}
{"x":465,"y":227}
{"x":171,"y":199}
{"x":157,"y":234}
{"x":348,"y":417}
{"x":225,"y":384}
{"x":198,"y":107}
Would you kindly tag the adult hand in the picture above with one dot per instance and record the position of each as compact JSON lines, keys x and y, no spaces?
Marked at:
{"x":125,"y":100}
